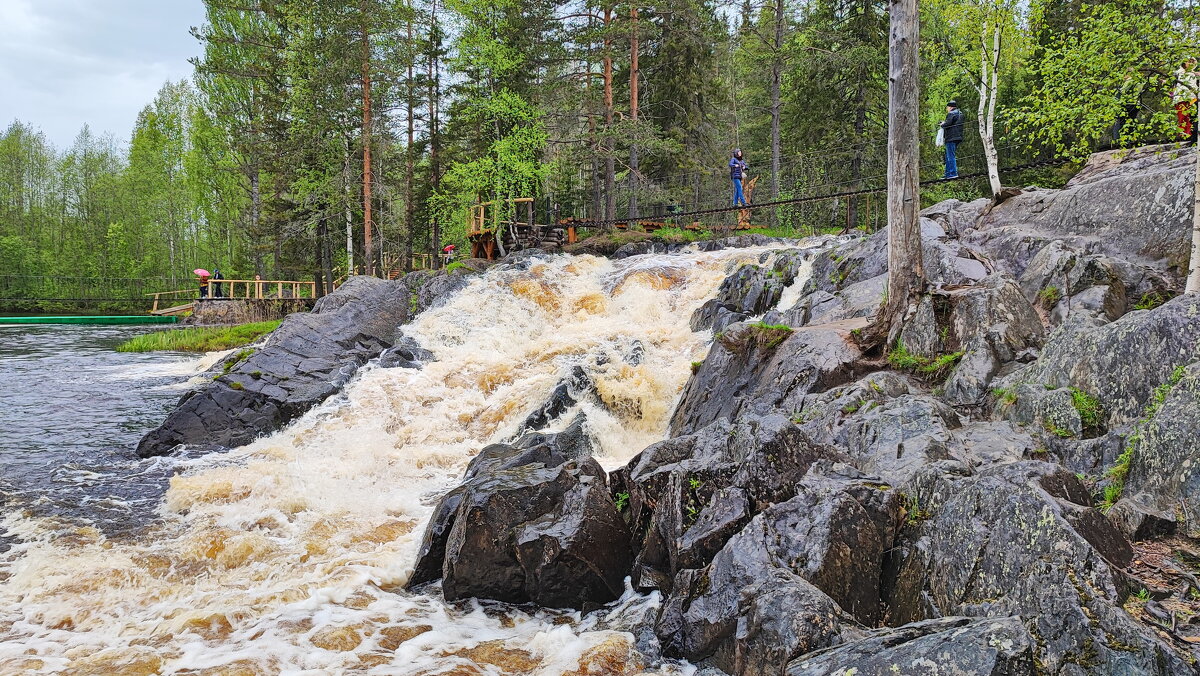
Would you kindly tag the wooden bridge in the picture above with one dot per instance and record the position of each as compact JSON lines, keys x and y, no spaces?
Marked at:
{"x":238,"y":289}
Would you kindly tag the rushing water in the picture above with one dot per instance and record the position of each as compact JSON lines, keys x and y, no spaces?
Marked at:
{"x":71,"y":408}
{"x":289,"y":554}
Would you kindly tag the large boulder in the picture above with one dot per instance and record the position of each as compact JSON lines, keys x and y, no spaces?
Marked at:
{"x":1131,"y":205}
{"x":762,"y":369}
{"x":534,"y":522}
{"x":948,"y":645}
{"x":1024,"y":539}
{"x":1122,"y":362}
{"x":307,"y":359}
{"x":1164,"y":469}
{"x":690,"y":494}
{"x":833,"y":535}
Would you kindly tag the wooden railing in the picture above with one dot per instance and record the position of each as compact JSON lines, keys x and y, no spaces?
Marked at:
{"x":245,"y":289}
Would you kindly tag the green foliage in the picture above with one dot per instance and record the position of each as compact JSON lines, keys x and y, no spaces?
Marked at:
{"x":1091,"y":413}
{"x":1049,"y":296}
{"x":1120,"y":469}
{"x":696,"y":366}
{"x":1006,"y":395}
{"x":900,"y":358}
{"x":913,"y":513}
{"x":198,"y":339}
{"x":622,"y":501}
{"x":1151,"y":300}
{"x":457,"y":265}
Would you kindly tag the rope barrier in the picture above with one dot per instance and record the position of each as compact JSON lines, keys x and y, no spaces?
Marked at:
{"x":816,"y":198}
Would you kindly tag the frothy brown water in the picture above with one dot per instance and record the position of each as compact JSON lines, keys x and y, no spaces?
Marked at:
{"x":289,"y":554}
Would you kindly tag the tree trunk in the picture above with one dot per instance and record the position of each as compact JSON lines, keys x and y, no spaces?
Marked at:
{"x":366,"y":142}
{"x":435,"y":233}
{"x":346,"y":182}
{"x":409,"y":211}
{"x":633,"y":114}
{"x":906,"y":274}
{"x":1193,"y":280}
{"x":256,"y":213}
{"x":610,"y":194}
{"x":776,"y":99}
{"x":988,"y":91}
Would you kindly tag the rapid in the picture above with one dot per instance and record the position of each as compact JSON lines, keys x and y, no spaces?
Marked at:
{"x":289,"y":555}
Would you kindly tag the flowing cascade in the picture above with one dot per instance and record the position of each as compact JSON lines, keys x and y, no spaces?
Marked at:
{"x":291,"y":552}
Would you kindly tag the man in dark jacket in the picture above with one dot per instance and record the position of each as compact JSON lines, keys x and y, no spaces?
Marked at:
{"x":952,"y":127}
{"x":737,"y":171}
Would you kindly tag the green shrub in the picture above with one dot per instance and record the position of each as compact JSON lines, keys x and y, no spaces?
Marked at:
{"x":1151,"y":300}
{"x":902,"y":359}
{"x":1049,"y":296}
{"x":198,"y":339}
{"x":457,"y":265}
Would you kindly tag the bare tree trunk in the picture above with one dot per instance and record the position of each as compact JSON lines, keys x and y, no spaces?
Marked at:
{"x":776,"y":99}
{"x":435,"y":235}
{"x":366,"y":141}
{"x":988,"y":91}
{"x":409,"y":209}
{"x":349,"y":216}
{"x":906,"y":274}
{"x":633,"y":113}
{"x":610,"y":194}
{"x":256,"y":213}
{"x":1193,"y":280}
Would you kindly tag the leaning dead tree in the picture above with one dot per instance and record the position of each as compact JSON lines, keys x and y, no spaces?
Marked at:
{"x":906,"y":272}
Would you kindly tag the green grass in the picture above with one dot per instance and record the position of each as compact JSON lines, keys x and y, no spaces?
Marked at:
{"x":1151,"y":300}
{"x":900,"y":358}
{"x":457,"y":265}
{"x":1091,"y":414}
{"x":198,"y":339}
{"x":1049,"y":296}
{"x":1007,"y":395}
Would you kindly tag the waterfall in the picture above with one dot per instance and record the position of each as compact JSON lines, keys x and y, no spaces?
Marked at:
{"x":290,"y":553}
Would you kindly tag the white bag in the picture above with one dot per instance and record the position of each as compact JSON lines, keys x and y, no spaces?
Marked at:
{"x":940,"y":139}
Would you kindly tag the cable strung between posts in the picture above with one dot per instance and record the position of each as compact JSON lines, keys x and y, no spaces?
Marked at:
{"x":817,"y":198}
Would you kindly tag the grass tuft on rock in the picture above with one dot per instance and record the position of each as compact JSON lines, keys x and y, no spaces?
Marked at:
{"x":900,"y":358}
{"x":1091,"y":414}
{"x":198,"y":339}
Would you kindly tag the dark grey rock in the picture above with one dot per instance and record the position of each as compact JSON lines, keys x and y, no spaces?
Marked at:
{"x":948,"y":645}
{"x":745,"y":372}
{"x":303,"y":362}
{"x":833,"y":534}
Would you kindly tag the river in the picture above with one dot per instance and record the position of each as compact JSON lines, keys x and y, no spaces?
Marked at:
{"x":289,"y":555}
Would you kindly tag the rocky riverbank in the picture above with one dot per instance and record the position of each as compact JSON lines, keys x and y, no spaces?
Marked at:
{"x":1014,"y":488}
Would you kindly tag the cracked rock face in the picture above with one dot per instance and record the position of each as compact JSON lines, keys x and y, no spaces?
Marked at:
{"x":306,"y":360}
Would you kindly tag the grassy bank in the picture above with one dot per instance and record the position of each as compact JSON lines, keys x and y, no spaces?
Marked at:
{"x":198,"y":339}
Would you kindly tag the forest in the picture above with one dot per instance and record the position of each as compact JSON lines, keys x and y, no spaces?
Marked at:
{"x":321,"y":138}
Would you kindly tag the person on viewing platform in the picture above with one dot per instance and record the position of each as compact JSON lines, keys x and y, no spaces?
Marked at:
{"x":216,"y":287}
{"x":737,"y":172}
{"x":203,"y":285}
{"x":952,"y":127}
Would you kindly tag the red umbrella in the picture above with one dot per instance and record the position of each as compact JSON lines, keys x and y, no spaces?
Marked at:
{"x":201,"y":272}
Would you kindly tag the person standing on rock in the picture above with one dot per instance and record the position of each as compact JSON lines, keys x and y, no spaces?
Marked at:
{"x":952,"y":128}
{"x":737,"y":172}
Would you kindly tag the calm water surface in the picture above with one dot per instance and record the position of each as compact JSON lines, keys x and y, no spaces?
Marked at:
{"x":72,"y":409}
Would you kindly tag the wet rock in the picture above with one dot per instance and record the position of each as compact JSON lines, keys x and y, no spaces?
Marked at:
{"x":1136,"y":208}
{"x":688,"y":495}
{"x":303,"y":362}
{"x":1120,"y":363}
{"x":534,"y":522}
{"x":1139,"y":521}
{"x":951,"y":645}
{"x":1164,"y":470}
{"x":833,"y":534}
{"x":407,"y":353}
{"x":754,"y":370}
{"x":1023,"y":539}
{"x":564,"y":395}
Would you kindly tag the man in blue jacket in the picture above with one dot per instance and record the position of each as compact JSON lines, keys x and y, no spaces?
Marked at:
{"x":737,"y":171}
{"x":952,"y":127}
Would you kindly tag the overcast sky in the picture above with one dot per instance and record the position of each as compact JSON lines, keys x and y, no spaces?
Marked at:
{"x":64,"y":63}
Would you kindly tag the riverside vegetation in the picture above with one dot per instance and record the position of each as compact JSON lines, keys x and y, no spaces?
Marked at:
{"x":199,"y":338}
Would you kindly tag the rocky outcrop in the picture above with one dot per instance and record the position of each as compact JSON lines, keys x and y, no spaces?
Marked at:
{"x":310,"y":357}
{"x":1134,"y":206}
{"x":951,"y":645}
{"x":533,"y":522}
